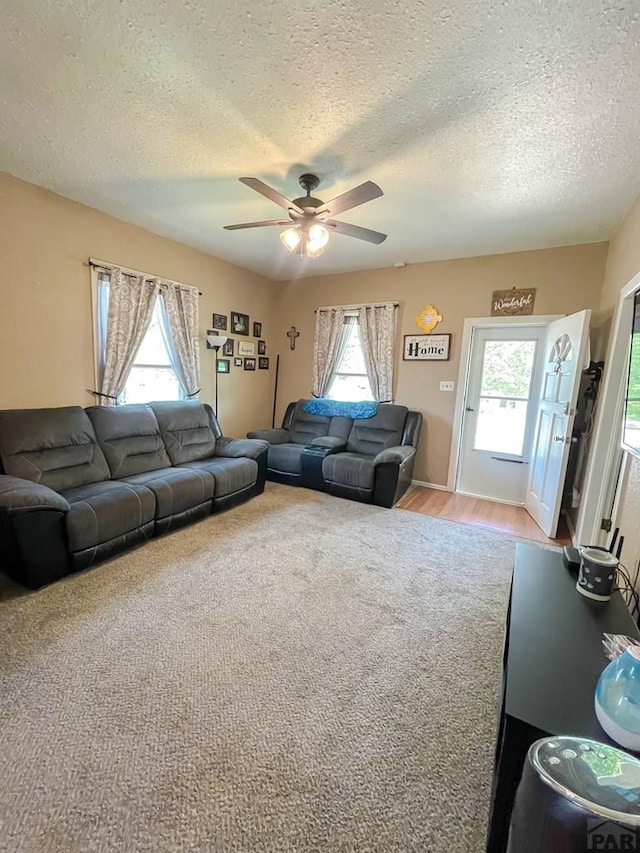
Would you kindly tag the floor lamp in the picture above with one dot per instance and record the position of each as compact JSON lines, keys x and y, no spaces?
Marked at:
{"x":215,"y":342}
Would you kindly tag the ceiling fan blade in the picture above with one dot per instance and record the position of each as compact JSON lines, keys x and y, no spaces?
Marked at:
{"x":265,"y":190}
{"x":358,"y":195}
{"x":257,"y":224}
{"x":355,"y":231}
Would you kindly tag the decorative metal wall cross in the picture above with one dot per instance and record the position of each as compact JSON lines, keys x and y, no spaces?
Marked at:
{"x":292,"y":334}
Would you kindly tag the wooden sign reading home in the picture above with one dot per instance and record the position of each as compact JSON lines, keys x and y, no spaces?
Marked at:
{"x":426,"y":347}
{"x":514,"y":301}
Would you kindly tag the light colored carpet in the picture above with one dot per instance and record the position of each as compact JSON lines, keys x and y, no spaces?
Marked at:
{"x":302,"y":673}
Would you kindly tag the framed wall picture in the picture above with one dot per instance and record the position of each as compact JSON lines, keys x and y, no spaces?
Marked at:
{"x":262,"y":347}
{"x":237,"y":362}
{"x":239,"y":323}
{"x":227,"y":348}
{"x":263,"y":363}
{"x":220,"y":322}
{"x":223,"y":365}
{"x":246,"y":348}
{"x":257,"y":330}
{"x":210,"y":332}
{"x":249,"y":364}
{"x":426,"y":347}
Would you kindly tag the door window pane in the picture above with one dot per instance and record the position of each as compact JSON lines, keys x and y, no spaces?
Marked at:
{"x":500,"y":426}
{"x":507,"y":368}
{"x":501,"y":420}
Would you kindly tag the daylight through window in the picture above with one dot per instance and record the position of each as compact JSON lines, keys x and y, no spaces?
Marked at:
{"x":350,"y":381}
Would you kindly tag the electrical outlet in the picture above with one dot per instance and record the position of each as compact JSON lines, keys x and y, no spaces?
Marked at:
{"x":447,"y":386}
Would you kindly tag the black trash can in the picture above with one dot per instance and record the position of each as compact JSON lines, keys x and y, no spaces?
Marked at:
{"x":576,"y":795}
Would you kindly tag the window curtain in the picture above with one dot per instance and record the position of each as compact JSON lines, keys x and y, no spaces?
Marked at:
{"x":349,"y":321}
{"x":329,"y":328}
{"x":377,"y":336}
{"x":131,"y":302}
{"x":180,"y":326}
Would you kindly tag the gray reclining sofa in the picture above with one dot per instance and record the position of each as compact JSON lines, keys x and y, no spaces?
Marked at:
{"x":80,"y":485}
{"x":368,"y":459}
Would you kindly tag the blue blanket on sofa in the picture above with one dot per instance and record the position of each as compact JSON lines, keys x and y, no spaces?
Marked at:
{"x":338,"y":409}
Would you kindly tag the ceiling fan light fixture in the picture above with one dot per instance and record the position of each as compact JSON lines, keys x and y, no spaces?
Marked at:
{"x":318,"y":237}
{"x":314,"y":251}
{"x":291,"y":238}
{"x":309,"y":227}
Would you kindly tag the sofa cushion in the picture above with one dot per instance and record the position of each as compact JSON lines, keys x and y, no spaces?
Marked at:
{"x":176,"y":489}
{"x":186,"y":430}
{"x":349,"y":469}
{"x":55,"y":447}
{"x":305,"y":427}
{"x":286,"y":458}
{"x":130,"y":439}
{"x":230,"y":475}
{"x":100,"y":512}
{"x":371,"y":435}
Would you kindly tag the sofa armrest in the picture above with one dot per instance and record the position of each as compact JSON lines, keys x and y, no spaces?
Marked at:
{"x":397,"y":455}
{"x":19,"y":494}
{"x":273,"y":436}
{"x":331,"y":442}
{"x":33,"y":540}
{"x":237,"y":447}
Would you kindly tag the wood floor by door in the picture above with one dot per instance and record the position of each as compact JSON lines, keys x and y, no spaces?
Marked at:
{"x":483,"y":513}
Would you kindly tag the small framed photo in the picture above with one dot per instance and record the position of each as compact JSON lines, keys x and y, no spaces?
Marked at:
{"x":263,"y":364}
{"x":246,"y":348}
{"x":239,"y":323}
{"x":223,"y":365}
{"x":220,"y":322}
{"x":210,"y":332}
{"x":249,"y":364}
{"x":237,"y":362}
{"x":227,"y":348}
{"x":257,"y":330}
{"x":262,"y":347}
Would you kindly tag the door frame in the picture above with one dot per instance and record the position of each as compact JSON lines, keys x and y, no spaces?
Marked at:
{"x":607,"y":428}
{"x":470,"y":324}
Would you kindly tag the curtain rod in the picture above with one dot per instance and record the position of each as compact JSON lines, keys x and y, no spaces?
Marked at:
{"x":352,"y":307}
{"x":102,"y":265}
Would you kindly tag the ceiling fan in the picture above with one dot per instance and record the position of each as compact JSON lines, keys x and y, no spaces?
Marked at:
{"x":311,"y":217}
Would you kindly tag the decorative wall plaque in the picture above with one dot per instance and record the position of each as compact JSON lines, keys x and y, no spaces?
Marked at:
{"x":428,"y":319}
{"x":506,"y":303}
{"x":426,"y":347}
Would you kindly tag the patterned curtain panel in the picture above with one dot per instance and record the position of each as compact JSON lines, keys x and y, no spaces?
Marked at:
{"x":329,"y":323}
{"x":131,"y":302}
{"x":180,"y":327}
{"x":377,"y":335}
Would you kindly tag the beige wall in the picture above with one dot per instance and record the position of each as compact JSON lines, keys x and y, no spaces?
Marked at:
{"x":46,"y":344}
{"x":567,"y":279}
{"x":623,"y":263}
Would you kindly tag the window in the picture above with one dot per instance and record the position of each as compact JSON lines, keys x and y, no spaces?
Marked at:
{"x":350,"y":381}
{"x":504,"y":396}
{"x":151,"y":377}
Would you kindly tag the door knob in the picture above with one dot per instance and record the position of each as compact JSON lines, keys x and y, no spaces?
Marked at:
{"x":468,"y":409}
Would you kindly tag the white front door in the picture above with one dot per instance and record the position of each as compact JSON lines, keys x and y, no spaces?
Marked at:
{"x":566,"y":349}
{"x":503,"y":387}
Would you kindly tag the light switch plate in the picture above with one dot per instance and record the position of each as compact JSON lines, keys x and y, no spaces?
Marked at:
{"x":447,"y":386}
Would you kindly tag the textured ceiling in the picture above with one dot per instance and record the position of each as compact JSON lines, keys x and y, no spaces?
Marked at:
{"x":491,"y":126}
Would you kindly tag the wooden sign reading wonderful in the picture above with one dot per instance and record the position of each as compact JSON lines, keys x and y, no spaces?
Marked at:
{"x":514,"y":301}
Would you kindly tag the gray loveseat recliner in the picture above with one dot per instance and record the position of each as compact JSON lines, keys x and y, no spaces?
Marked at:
{"x":368,"y":459}
{"x":78,"y":486}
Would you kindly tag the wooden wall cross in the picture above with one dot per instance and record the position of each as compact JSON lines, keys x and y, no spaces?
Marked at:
{"x":292,"y":334}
